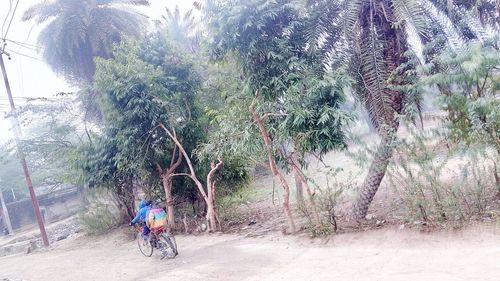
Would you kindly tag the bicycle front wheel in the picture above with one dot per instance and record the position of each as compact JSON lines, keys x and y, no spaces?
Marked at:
{"x":144,"y":245}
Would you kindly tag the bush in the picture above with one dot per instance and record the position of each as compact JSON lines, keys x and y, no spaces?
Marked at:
{"x":229,"y":205}
{"x":325,"y":200}
{"x":437,"y":185}
{"x":100,"y":213}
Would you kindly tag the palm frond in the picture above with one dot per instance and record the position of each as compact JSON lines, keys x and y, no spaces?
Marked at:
{"x":410,"y":14}
{"x":123,"y":2}
{"x":352,"y":11}
{"x":42,"y":11}
{"x":474,"y":24}
{"x":107,"y":27}
{"x":454,"y":39}
{"x":374,"y":75}
{"x":65,"y":51}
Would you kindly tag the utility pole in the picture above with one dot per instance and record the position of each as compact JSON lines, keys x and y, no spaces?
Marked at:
{"x":5,"y":212}
{"x":17,"y":134}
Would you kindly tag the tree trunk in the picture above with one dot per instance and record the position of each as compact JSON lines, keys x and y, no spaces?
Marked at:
{"x":211,"y":218}
{"x":166,"y":176}
{"x":167,"y":185}
{"x":211,"y":210}
{"x":300,"y":182}
{"x":497,"y":177}
{"x":303,"y":181}
{"x":124,"y":196}
{"x":378,"y":37}
{"x":209,"y":195}
{"x":375,"y":175}
{"x":299,"y":188}
{"x":274,"y":169}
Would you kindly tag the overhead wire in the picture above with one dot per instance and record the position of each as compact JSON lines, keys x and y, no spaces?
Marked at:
{"x":7,"y":16}
{"x":27,"y":38}
{"x":11,"y":18}
{"x":24,"y":44}
{"x":24,"y":55}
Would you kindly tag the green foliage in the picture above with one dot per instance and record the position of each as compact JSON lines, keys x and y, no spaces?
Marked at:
{"x":99,"y":214}
{"x":264,"y":38}
{"x":470,"y":83}
{"x":373,"y":36}
{"x":232,"y":176}
{"x":133,"y":96}
{"x":146,"y":84}
{"x":470,"y":17}
{"x":327,"y":197}
{"x":52,"y":131}
{"x":11,"y":174}
{"x":231,"y":206}
{"x":437,"y":185}
{"x":315,"y":122}
{"x":279,"y":75}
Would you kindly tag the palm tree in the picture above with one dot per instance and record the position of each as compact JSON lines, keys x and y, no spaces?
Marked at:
{"x":79,"y":30}
{"x":471,"y":12}
{"x":182,"y":29}
{"x":373,"y":36}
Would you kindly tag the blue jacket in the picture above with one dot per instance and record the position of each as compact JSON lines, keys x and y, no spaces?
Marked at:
{"x":144,"y":207}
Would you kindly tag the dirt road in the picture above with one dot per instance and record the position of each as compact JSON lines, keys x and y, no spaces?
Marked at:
{"x":388,"y":254}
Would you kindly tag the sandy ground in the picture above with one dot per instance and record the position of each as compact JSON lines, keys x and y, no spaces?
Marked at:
{"x":388,"y":254}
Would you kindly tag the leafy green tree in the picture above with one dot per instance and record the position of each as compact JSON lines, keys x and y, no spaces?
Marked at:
{"x":152,"y":122}
{"x":96,"y":166}
{"x":279,"y":76}
{"x":137,"y":97}
{"x":78,"y":31}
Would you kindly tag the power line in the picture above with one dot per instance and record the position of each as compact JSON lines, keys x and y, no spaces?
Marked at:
{"x":28,"y":98}
{"x":24,"y":55}
{"x":11,"y":18}
{"x":24,"y":44}
{"x":7,"y":16}
{"x":28,"y":37}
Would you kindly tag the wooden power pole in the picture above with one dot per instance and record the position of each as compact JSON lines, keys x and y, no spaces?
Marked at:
{"x":17,"y":134}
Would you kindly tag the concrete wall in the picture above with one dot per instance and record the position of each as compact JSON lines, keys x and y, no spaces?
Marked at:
{"x":52,"y":209}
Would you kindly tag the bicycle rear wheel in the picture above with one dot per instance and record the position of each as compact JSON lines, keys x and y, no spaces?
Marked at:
{"x":167,"y":246}
{"x":144,"y":245}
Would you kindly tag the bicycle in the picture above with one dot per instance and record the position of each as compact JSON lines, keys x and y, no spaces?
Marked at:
{"x":159,"y":239}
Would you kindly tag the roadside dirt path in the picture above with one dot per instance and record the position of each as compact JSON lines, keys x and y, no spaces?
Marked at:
{"x":386,"y":254}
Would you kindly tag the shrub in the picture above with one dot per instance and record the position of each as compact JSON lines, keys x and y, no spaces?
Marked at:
{"x":100,"y":213}
{"x":437,"y":185}
{"x":326,"y":200}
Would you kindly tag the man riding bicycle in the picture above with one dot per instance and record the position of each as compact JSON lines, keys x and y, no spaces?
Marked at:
{"x":144,"y":208}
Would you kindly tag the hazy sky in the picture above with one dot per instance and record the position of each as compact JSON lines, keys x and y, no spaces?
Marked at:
{"x":28,"y":75}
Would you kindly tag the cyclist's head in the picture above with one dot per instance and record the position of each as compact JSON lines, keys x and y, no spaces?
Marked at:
{"x":145,"y":203}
